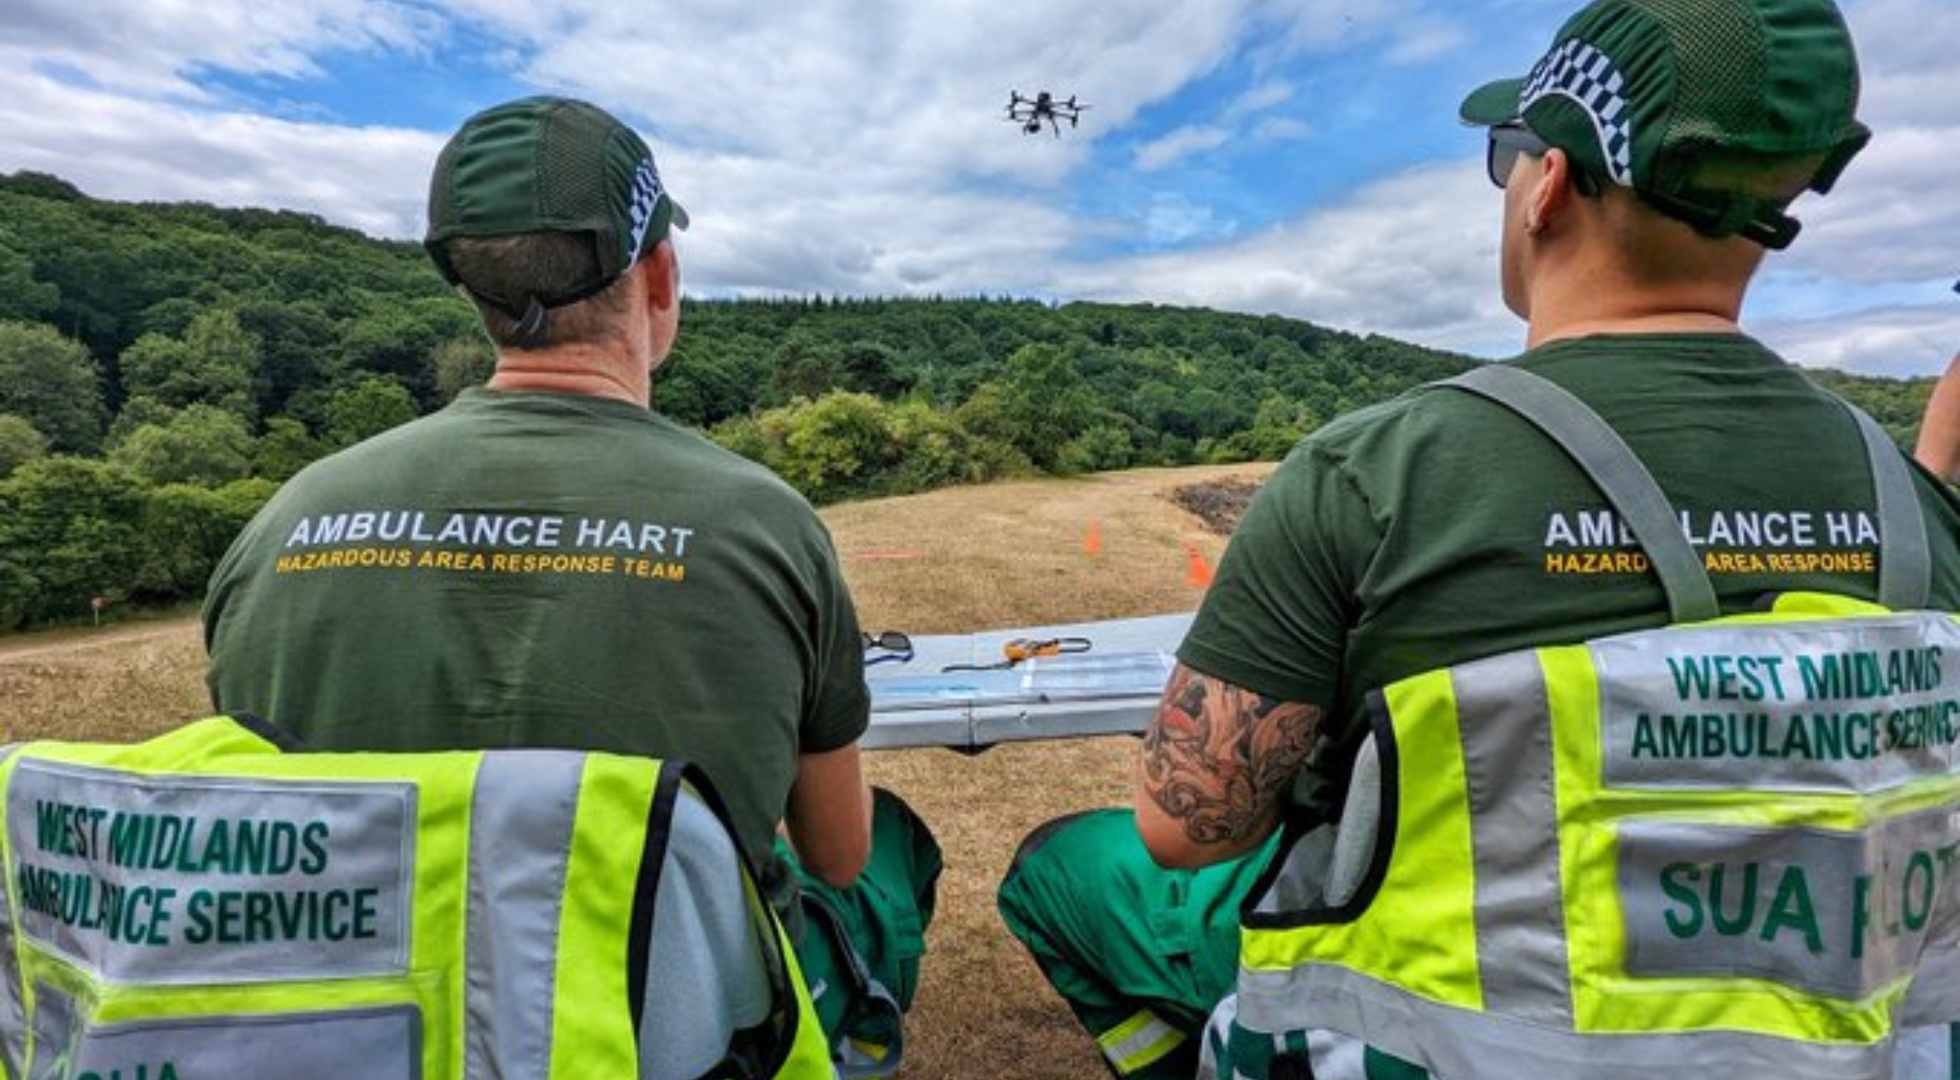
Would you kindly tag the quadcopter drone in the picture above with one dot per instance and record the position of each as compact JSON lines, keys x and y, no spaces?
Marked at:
{"x":1031,"y":112}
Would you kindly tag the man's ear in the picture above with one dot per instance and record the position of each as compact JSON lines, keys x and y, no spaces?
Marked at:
{"x":1555,"y":193}
{"x":663,"y":276}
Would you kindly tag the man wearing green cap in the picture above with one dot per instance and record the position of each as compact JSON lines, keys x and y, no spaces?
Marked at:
{"x":548,"y":562}
{"x":1648,"y":162}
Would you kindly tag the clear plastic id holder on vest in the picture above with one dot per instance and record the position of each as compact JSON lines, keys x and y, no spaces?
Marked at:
{"x":379,"y":1043}
{"x":156,"y":911}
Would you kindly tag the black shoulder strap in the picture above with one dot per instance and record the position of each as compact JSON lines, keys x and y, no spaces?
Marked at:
{"x":1905,"y":564}
{"x":646,"y":890}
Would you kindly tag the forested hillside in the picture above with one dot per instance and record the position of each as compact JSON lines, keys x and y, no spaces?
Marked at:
{"x":164,"y":367}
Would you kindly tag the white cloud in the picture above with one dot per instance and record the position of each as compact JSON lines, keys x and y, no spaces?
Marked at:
{"x":1427,"y":43}
{"x":1264,"y":96}
{"x":1281,"y":129}
{"x":1166,"y":151}
{"x":1173,"y":219}
{"x":117,"y":147}
{"x":918,"y":87}
{"x":1413,"y":256}
{"x":857,"y":146}
{"x":1894,"y":341}
{"x":153,"y":47}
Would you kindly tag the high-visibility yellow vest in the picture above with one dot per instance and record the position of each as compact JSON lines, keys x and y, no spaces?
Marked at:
{"x":1727,"y":843}
{"x":202,"y":905}
{"x":1732,"y":843}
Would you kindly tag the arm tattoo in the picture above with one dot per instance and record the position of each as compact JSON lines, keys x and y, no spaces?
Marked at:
{"x":1218,"y":756}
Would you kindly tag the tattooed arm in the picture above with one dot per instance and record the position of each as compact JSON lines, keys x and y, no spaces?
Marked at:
{"x":1216,"y":760}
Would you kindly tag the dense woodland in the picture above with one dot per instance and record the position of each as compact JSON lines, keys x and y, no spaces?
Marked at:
{"x":164,"y":367}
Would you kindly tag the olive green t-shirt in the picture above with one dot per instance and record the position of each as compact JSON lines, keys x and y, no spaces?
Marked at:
{"x":546,"y":570}
{"x":1440,"y":527}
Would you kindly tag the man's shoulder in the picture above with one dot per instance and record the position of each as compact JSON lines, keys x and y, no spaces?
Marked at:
{"x":357,"y":463}
{"x":1400,"y":424}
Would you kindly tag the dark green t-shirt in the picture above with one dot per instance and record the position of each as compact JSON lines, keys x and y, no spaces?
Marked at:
{"x":1439,"y":527}
{"x":535,"y":569}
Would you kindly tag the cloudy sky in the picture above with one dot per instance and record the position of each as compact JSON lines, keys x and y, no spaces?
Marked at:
{"x":1298,"y":157}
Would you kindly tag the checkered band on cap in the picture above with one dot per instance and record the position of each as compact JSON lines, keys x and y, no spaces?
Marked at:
{"x":1587,"y":76}
{"x":645,"y":195}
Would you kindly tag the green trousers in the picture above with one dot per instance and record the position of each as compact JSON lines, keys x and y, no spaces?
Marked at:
{"x":1140,"y":953}
{"x":860,"y":946}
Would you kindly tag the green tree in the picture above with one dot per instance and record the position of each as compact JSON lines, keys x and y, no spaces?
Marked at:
{"x":932,"y":450}
{"x":186,"y":529}
{"x":213,"y":364}
{"x":1038,"y":405}
{"x":19,"y":443}
{"x":869,"y":367}
{"x":285,"y":449}
{"x":135,"y":413}
{"x":297,"y":344}
{"x":70,"y":530}
{"x":400,"y":340}
{"x":1279,"y":424}
{"x":201,"y":444}
{"x":830,"y":446}
{"x":366,"y":407}
{"x":463,"y":362}
{"x":22,"y":295}
{"x":52,"y":383}
{"x":806,"y":366}
{"x":1105,"y":446}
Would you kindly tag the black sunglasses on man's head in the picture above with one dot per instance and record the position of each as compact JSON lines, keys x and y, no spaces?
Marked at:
{"x":1507,"y":141}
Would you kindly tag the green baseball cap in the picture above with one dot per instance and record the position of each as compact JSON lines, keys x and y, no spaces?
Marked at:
{"x":549,"y":164}
{"x":1639,"y":91}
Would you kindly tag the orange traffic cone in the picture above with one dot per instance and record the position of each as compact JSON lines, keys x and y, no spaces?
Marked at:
{"x":1197,"y":572}
{"x":1092,"y":540}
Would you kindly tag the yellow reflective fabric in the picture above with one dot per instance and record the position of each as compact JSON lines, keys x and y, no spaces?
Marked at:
{"x":1842,"y":825}
{"x":595,"y":1037}
{"x":220,"y":746}
{"x":809,"y":1052}
{"x":421,"y":981}
{"x":1605,"y":998}
{"x":1138,"y":1041}
{"x":1426,"y":898}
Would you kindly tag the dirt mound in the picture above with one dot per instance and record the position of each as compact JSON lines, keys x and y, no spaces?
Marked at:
{"x":1219,"y":503}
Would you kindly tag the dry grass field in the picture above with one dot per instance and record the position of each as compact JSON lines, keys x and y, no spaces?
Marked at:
{"x":956,"y":560}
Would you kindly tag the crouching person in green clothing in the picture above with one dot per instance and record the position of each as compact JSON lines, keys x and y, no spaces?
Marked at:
{"x":1445,"y":624}
{"x":1140,"y":954}
{"x":548,"y":562}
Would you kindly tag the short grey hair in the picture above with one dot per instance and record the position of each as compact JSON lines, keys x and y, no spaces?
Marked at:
{"x":507,"y":271}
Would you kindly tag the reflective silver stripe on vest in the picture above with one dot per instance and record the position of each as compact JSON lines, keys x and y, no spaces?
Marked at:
{"x":1456,"y":1042}
{"x":374,"y":1043}
{"x":13,"y":1011}
{"x":521,"y":820}
{"x":1935,"y":994}
{"x":1506,"y":727}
